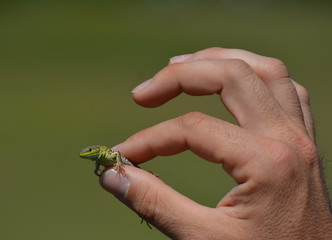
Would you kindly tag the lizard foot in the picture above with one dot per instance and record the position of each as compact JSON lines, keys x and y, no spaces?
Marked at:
{"x":119,"y":168}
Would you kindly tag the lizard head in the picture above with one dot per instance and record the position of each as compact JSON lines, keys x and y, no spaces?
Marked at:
{"x":93,"y":152}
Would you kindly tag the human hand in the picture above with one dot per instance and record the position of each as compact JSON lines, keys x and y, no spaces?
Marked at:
{"x":271,"y":154}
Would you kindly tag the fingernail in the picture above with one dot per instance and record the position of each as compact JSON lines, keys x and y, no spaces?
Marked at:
{"x":141,"y":86}
{"x":181,"y":58}
{"x":115,"y":183}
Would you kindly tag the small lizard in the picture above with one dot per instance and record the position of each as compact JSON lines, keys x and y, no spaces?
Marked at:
{"x":104,"y":156}
{"x":107,"y":157}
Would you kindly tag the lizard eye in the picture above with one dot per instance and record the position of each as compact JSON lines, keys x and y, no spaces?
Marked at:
{"x":90,"y":149}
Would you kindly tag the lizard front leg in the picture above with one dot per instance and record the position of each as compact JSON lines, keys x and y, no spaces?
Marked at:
{"x":96,"y":171}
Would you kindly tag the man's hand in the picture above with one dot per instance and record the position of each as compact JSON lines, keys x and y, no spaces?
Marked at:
{"x":271,"y":154}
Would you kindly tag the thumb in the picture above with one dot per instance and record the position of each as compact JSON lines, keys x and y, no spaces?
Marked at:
{"x":154,"y":201}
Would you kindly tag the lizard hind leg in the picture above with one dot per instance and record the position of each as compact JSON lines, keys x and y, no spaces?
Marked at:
{"x":142,"y":220}
{"x":118,"y":164}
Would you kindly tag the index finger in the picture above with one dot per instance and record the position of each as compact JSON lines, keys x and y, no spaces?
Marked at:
{"x":212,"y":139}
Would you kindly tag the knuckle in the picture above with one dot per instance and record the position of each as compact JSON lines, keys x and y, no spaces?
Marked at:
{"x":289,"y":161}
{"x":169,"y":71}
{"x":311,"y":154}
{"x":192,"y":118}
{"x":306,"y":148}
{"x":276,"y":62}
{"x":284,"y":164}
{"x":277,"y":68}
{"x":213,"y":51}
{"x":237,"y":68}
{"x":282,"y":155}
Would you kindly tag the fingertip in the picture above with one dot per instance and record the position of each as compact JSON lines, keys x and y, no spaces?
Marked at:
{"x":143,"y":94}
{"x":145,"y":101}
{"x":152,"y":97}
{"x":141,"y":86}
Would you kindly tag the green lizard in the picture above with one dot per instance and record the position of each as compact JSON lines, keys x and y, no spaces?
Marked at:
{"x":107,"y":157}
{"x":104,"y":156}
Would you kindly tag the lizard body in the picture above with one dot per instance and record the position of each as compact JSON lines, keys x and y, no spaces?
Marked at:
{"x":104,"y":156}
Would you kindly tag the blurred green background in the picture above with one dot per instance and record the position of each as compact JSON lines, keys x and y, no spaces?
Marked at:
{"x":66,"y":72}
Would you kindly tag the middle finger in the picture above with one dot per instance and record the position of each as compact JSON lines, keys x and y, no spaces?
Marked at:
{"x":242,"y":91}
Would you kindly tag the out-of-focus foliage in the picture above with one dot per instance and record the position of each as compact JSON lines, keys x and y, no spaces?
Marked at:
{"x":66,"y":71}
